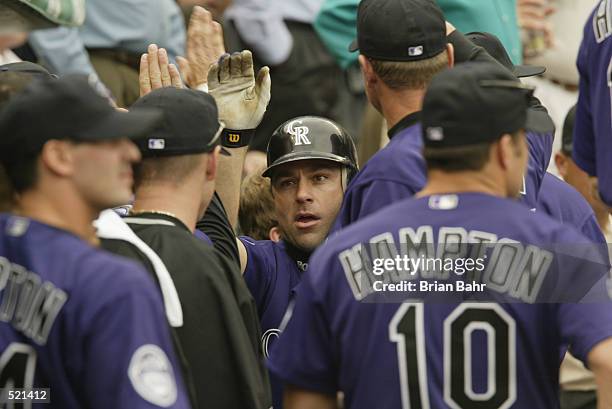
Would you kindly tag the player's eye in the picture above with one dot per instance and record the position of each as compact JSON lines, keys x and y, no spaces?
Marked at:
{"x":320,"y":177}
{"x":285,"y":183}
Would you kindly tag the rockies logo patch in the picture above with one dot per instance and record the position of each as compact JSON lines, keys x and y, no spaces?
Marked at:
{"x":151,"y":375}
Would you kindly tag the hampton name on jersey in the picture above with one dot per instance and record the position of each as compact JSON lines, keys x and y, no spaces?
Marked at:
{"x":444,"y":355}
{"x":593,"y":131}
{"x":85,"y":324}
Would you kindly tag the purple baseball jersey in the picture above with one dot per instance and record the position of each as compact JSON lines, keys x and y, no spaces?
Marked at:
{"x":85,"y":324}
{"x":271,"y":275}
{"x":562,"y":202}
{"x":540,"y":150}
{"x":592,"y":147}
{"x":394,"y":173}
{"x":398,"y":171}
{"x":443,"y":355}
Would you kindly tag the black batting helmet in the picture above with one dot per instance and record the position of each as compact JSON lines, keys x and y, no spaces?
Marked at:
{"x":311,"y":137}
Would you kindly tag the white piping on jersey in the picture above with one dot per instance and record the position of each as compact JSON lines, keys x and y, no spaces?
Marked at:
{"x":111,"y":226}
{"x":138,"y":220}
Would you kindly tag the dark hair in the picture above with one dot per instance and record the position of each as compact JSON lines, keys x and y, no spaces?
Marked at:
{"x":21,"y":175}
{"x":463,"y":158}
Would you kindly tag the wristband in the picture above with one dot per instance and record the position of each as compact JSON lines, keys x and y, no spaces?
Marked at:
{"x":232,"y":138}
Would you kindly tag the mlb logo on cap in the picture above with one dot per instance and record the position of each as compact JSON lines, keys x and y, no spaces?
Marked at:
{"x":435,"y":134}
{"x":157,"y":144}
{"x":415,"y":51}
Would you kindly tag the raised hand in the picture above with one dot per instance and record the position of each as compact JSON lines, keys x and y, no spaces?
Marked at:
{"x":156,"y":71}
{"x":204,"y":47}
{"x":241,"y":99}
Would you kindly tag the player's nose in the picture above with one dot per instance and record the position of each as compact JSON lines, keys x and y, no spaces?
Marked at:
{"x":131,"y":151}
{"x":304,"y":191}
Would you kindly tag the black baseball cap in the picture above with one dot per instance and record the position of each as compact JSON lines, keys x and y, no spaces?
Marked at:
{"x":66,"y":108}
{"x":567,"y":138}
{"x":400,"y":30}
{"x":190,"y":123}
{"x":476,"y":103}
{"x":26,"y":67}
{"x":495,"y":48}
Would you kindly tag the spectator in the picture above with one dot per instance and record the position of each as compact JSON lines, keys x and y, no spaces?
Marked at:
{"x":111,"y":41}
{"x":17,"y":18}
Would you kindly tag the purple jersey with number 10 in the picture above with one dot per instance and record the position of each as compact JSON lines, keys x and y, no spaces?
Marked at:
{"x":84,"y":323}
{"x":593,"y":130}
{"x":390,"y":355}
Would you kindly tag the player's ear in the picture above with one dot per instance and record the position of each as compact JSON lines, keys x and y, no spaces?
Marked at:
{"x":274,"y":234}
{"x":58,"y":157}
{"x":211,"y":163}
{"x":506,"y":151}
{"x":450,"y":51}
{"x":561,"y":162}
{"x":369,"y":76}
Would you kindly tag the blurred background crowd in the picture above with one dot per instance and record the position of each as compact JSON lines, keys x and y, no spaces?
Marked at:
{"x":304,"y":42}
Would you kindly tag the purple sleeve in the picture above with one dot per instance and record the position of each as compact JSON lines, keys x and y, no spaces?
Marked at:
{"x":584,"y":137}
{"x":540,"y":150}
{"x":585,"y":325}
{"x":590,"y":228}
{"x":259,"y":270}
{"x":364,"y":199}
{"x":302,"y":355}
{"x":130,"y":361}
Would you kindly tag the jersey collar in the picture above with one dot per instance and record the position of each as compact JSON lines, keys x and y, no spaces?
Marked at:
{"x":298,"y":255}
{"x":405,"y":122}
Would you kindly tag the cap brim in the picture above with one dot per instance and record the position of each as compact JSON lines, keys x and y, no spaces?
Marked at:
{"x":26,"y":67}
{"x":354,"y":46}
{"x":132,"y":125}
{"x":539,"y":122}
{"x":522,"y":71}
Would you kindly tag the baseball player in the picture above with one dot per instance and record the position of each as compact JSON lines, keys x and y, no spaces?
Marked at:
{"x":450,"y":354}
{"x":310,"y":162}
{"x":396,"y":74}
{"x":219,"y":333}
{"x":562,"y":201}
{"x":84,"y":324}
{"x":593,"y":132}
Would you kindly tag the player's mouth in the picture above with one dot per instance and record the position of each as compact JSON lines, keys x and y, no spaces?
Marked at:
{"x":306,"y":220}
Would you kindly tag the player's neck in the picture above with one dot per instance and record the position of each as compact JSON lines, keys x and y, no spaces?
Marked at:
{"x":396,"y":105}
{"x":62,"y":209}
{"x":603,"y":219}
{"x":176,"y":200}
{"x":461,"y":182}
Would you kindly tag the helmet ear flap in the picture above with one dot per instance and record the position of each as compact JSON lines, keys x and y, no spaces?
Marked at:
{"x":348,"y":173}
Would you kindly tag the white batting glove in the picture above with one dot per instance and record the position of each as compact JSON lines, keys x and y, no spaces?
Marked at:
{"x":241,"y":99}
